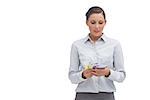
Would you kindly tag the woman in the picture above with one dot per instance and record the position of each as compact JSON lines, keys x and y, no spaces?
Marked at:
{"x":96,"y":61}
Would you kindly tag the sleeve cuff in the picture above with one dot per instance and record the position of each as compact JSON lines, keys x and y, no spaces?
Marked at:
{"x":111,"y":74}
{"x":81,"y":78}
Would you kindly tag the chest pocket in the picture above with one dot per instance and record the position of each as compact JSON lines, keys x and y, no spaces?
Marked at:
{"x":85,"y":59}
{"x":108,"y":60}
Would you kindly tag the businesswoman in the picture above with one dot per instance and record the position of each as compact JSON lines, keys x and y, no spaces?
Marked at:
{"x":96,"y":61}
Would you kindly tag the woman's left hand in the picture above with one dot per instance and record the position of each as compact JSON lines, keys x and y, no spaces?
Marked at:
{"x":101,"y":71}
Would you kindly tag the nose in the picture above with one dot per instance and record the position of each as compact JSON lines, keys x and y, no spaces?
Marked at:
{"x":97,"y":25}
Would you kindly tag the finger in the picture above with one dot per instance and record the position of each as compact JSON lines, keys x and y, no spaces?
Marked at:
{"x":94,"y":73}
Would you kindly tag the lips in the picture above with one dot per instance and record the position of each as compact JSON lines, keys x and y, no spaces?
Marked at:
{"x":96,"y":31}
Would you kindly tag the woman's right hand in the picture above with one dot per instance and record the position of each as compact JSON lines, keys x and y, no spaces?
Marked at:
{"x":87,"y":73}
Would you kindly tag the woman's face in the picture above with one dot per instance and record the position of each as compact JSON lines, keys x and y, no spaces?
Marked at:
{"x":96,"y":23}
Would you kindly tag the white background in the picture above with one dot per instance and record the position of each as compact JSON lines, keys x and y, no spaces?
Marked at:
{"x":35,"y":41}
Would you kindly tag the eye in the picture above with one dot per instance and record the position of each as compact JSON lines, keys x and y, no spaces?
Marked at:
{"x":100,"y":22}
{"x":93,"y":22}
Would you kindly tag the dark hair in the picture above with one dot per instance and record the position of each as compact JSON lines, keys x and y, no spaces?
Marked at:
{"x":95,"y":9}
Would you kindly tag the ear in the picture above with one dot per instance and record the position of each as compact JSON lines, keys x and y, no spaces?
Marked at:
{"x":105,"y":21}
{"x":86,"y":22}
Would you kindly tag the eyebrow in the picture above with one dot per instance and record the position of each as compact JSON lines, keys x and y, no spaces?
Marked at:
{"x":99,"y":20}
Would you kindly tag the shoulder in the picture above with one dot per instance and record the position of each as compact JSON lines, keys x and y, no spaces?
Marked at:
{"x":79,"y":42}
{"x":112,"y":41}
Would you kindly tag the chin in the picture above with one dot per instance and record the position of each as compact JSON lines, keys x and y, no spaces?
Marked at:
{"x":97,"y":34}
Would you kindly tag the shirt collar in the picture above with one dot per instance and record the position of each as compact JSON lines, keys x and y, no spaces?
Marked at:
{"x":103,"y":38}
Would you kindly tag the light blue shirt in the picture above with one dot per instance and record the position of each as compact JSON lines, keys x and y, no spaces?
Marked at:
{"x":106,"y":52}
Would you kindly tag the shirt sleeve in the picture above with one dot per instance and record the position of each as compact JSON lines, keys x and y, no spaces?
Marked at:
{"x":118,"y":73}
{"x":75,"y":75}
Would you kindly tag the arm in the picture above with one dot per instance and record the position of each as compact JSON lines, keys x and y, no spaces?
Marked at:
{"x":75,"y":75}
{"x":118,"y":73}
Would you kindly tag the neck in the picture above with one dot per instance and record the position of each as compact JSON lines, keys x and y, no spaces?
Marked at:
{"x":94,"y":38}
